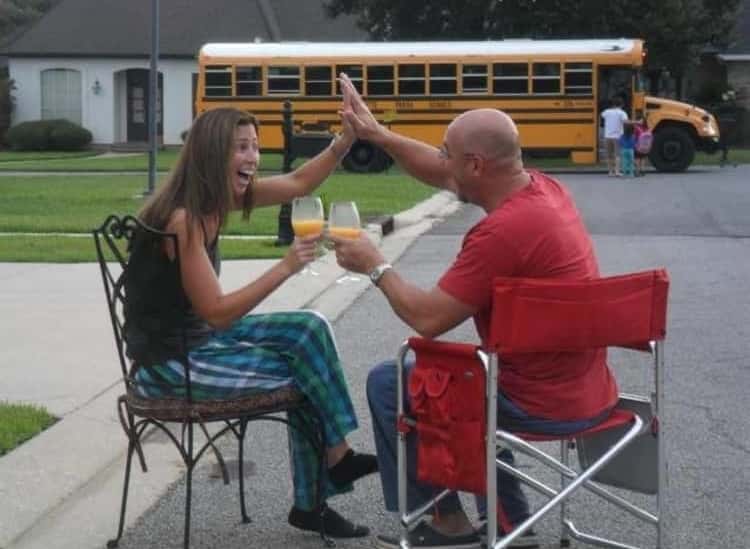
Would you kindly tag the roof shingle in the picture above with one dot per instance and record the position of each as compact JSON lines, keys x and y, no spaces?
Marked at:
{"x":122,"y":28}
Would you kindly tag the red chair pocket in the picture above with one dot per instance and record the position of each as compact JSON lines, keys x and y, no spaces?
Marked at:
{"x":447,"y":396}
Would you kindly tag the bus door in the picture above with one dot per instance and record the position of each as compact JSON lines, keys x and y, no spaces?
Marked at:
{"x":612,"y":81}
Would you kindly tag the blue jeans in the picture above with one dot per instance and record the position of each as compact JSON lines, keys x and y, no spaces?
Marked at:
{"x":381,"y":397}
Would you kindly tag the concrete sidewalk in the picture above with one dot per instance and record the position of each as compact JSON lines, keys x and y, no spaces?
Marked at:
{"x":56,"y":349}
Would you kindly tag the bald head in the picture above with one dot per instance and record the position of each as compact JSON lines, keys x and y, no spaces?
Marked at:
{"x":487,"y":132}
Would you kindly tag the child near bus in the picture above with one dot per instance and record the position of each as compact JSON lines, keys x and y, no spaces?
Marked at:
{"x":643,"y":141}
{"x":627,"y":150}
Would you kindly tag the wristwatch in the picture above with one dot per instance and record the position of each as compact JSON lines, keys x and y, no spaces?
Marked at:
{"x":378,"y":271}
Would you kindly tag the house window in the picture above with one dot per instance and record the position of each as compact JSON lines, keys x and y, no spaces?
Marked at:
{"x":61,"y":94}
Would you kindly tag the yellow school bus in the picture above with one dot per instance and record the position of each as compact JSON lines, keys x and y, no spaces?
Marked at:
{"x":553,"y":89}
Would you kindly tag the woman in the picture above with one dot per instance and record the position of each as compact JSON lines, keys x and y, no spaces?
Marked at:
{"x":231,"y":353}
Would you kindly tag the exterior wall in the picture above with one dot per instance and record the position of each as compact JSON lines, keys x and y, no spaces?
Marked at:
{"x":103,"y":113}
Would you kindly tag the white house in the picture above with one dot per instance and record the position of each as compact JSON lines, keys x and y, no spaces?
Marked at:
{"x":88,"y":60}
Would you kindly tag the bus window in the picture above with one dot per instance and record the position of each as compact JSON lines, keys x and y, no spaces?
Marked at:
{"x":411,"y":79}
{"x":474,"y":78}
{"x":318,"y":80}
{"x":510,"y":78}
{"x":249,"y":81}
{"x":578,"y":79}
{"x":354,"y":72}
{"x":546,"y":78}
{"x":443,"y":79}
{"x":283,"y":79}
{"x":218,"y":81}
{"x":380,"y":80}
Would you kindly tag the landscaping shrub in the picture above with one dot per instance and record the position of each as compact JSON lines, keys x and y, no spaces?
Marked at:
{"x":64,"y":135}
{"x":43,"y":135}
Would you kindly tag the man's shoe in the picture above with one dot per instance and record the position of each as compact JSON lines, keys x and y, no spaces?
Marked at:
{"x":527,"y":540}
{"x":336,"y":526}
{"x":424,"y":536}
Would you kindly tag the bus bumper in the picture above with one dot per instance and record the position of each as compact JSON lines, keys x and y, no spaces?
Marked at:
{"x":707,"y":144}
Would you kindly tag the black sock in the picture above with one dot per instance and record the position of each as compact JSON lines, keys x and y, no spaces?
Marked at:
{"x":352,"y":466}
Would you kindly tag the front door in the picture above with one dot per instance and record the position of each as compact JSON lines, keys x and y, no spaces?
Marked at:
{"x":138,"y":101}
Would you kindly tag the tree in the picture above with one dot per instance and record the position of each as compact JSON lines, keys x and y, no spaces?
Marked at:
{"x":675,"y":31}
{"x":15,"y":15}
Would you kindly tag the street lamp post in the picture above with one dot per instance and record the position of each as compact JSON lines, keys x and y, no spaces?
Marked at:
{"x":153,"y":95}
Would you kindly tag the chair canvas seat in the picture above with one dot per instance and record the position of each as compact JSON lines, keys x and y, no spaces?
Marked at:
{"x":617,"y":418}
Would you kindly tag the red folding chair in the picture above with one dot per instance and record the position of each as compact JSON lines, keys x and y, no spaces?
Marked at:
{"x":544,"y":315}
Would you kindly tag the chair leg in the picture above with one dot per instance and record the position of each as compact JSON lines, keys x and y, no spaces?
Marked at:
{"x":241,"y":471}
{"x":188,"y":483}
{"x":565,"y":459}
{"x":123,"y":505}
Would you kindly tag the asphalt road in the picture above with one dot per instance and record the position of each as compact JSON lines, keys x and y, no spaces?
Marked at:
{"x":696,"y":225}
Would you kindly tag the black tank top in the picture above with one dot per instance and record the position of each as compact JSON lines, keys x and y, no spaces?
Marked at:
{"x":156,"y":307}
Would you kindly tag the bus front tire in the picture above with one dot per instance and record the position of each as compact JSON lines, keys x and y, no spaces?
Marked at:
{"x":673,"y":150}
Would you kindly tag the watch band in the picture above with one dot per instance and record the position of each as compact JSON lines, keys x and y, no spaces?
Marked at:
{"x":378,"y":272}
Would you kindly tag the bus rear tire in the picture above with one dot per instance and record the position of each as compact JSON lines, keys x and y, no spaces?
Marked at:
{"x":364,"y":157}
{"x":673,"y":150}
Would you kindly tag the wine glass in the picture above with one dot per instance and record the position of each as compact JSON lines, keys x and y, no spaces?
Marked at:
{"x":307,"y":220}
{"x":343,"y":221}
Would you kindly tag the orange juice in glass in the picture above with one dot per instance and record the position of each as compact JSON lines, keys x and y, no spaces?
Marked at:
{"x":343,"y":221}
{"x":344,"y":232}
{"x":307,"y":220}
{"x":307,"y":227}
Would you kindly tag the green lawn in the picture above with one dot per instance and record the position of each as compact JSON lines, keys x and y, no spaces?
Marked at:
{"x":91,"y":162}
{"x":20,"y":422}
{"x":70,"y":204}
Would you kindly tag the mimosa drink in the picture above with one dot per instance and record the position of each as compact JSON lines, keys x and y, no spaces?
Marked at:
{"x":344,"y":232}
{"x":307,"y":227}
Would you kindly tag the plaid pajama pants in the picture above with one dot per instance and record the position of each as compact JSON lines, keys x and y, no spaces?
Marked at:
{"x":262,"y":353}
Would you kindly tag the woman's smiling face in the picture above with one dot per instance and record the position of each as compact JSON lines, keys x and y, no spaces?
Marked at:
{"x":245,"y":160}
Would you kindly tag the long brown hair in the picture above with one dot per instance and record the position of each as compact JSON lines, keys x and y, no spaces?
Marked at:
{"x":200,"y":182}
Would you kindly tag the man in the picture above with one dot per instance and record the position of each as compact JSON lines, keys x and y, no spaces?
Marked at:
{"x":613,"y":119}
{"x":532,"y":229}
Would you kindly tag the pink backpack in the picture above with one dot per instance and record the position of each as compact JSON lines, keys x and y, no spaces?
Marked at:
{"x":644,"y":141}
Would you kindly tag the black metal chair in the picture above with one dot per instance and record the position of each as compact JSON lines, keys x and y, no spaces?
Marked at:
{"x":113,"y":240}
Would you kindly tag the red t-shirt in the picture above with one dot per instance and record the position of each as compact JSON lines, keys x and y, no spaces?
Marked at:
{"x":535,"y":233}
